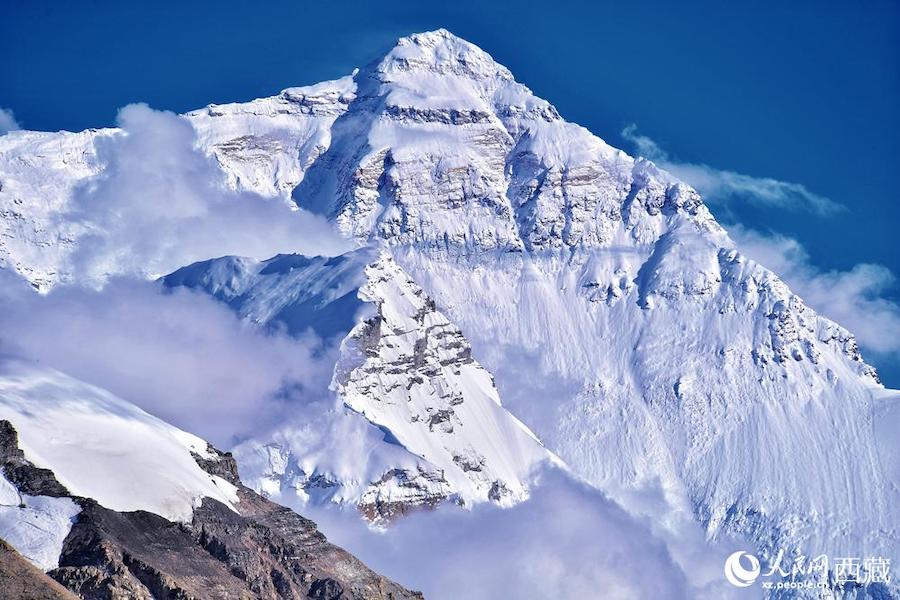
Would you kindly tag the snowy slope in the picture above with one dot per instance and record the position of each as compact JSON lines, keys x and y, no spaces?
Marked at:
{"x":686,"y":399}
{"x":38,"y":173}
{"x":266,"y":145}
{"x":619,"y":320}
{"x":104,"y":448}
{"x":35,"y":525}
{"x":290,"y":291}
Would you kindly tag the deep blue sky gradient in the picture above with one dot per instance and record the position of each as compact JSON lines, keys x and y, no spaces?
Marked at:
{"x":801,"y":91}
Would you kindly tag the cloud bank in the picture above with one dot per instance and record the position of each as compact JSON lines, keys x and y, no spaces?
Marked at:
{"x":853,"y":298}
{"x":7,"y":121}
{"x":721,"y":186}
{"x":566,"y":541}
{"x":181,"y":356}
{"x":161,"y":203}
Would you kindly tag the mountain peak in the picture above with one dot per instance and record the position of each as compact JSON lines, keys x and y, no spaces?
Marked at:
{"x":441,"y":52}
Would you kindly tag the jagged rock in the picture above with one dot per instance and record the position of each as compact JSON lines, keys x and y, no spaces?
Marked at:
{"x":410,"y":370}
{"x":219,"y":463}
{"x":401,"y":491}
{"x":140,"y":555}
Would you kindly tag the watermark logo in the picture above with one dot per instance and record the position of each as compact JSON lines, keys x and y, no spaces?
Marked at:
{"x":743,"y":569}
{"x":735,"y":572}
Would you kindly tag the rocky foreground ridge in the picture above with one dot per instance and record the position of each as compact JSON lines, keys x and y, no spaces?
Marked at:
{"x":262,"y":551}
{"x":241,"y":546}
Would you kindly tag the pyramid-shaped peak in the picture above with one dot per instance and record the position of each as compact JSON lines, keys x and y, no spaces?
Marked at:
{"x":441,"y":52}
{"x":436,"y":37}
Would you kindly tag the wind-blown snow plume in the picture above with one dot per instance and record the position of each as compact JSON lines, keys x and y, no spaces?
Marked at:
{"x":723,"y":186}
{"x":7,"y":121}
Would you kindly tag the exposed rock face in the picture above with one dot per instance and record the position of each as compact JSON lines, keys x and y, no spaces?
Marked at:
{"x":21,"y":580}
{"x":402,"y":491}
{"x":140,"y":555}
{"x":267,"y":551}
{"x":27,"y":478}
{"x":262,"y":551}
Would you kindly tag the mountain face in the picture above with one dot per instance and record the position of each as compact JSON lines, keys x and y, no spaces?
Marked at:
{"x":505,"y":254}
{"x":404,"y":367}
{"x":114,"y":503}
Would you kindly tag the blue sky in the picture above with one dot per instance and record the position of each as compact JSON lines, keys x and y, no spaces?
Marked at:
{"x":802,"y":92}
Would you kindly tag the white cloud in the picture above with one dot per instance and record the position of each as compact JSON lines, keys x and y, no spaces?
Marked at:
{"x":7,"y":121}
{"x":566,"y":541}
{"x":721,"y":186}
{"x":645,"y":146}
{"x":181,"y":356}
{"x":161,"y":203}
{"x":853,"y":298}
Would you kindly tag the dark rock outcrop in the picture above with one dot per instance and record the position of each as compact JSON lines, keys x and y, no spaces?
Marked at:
{"x":109,"y":554}
{"x":20,"y":580}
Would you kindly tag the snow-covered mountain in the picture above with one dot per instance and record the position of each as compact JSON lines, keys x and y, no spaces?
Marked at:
{"x":508,"y":254}
{"x":112,"y":502}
